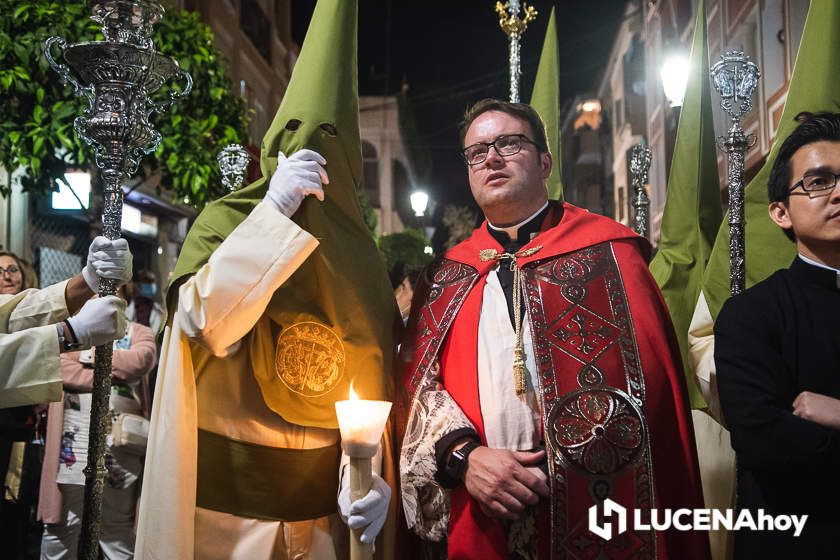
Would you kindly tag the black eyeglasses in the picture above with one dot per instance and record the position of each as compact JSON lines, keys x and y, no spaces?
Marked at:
{"x":816,"y":181}
{"x":505,"y":145}
{"x":11,"y":271}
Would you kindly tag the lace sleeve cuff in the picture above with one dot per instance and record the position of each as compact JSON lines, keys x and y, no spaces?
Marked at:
{"x":434,"y":416}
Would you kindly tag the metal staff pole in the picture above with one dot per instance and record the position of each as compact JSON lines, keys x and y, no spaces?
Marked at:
{"x":640,"y":158}
{"x":514,"y":27}
{"x":117,"y":77}
{"x":735,"y":78}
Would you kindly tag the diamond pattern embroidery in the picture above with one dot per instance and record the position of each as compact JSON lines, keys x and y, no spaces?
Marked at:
{"x":583,"y":334}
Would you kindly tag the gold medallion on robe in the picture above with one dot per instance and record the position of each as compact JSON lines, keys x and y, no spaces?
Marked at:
{"x":310,"y":358}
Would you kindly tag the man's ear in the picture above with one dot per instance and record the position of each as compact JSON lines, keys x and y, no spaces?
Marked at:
{"x":546,"y":162}
{"x":780,"y":214}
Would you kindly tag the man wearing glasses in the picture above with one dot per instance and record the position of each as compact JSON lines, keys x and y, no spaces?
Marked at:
{"x":777,"y":355}
{"x":541,"y":373}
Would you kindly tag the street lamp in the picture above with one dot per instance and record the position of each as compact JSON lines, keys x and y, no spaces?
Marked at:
{"x":674,"y":74}
{"x":419,"y":201}
{"x":73,"y":195}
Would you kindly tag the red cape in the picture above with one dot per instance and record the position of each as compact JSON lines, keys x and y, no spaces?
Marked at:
{"x":640,"y":390}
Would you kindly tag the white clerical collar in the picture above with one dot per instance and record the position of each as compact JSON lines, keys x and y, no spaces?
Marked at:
{"x":821,"y":265}
{"x":513,"y":230}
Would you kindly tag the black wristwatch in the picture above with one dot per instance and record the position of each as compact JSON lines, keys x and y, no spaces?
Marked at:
{"x":456,"y":465}
{"x":66,"y":345}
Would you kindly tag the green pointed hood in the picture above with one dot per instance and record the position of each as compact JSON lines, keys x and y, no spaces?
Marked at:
{"x":333,"y":322}
{"x":693,"y":212}
{"x":546,"y":100}
{"x":322,"y":93}
{"x":814,"y":86}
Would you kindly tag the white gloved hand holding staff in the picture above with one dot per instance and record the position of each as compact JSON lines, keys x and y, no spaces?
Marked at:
{"x":107,"y":259}
{"x":99,"y":321}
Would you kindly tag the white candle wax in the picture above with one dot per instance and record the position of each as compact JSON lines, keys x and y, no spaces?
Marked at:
{"x":361,"y":423}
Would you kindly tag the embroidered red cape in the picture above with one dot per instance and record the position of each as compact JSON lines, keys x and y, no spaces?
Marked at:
{"x":616,"y":411}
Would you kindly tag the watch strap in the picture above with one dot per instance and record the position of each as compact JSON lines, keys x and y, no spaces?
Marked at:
{"x":68,"y":345}
{"x":458,"y":460}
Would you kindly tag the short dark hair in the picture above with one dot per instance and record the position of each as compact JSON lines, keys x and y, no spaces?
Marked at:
{"x":519,"y":110}
{"x":813,"y":127}
{"x":402,"y":270}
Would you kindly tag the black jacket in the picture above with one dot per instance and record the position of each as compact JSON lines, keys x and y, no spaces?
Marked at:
{"x":777,"y":339}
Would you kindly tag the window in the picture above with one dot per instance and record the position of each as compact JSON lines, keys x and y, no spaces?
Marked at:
{"x":254,"y":24}
{"x":370,"y":173}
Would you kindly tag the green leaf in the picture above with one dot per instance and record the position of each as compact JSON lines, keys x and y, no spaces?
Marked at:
{"x":64,"y":139}
{"x":20,"y":11}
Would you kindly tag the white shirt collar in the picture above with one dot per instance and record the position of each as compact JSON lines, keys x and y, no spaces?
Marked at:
{"x":819,"y":264}
{"x":514,"y":229}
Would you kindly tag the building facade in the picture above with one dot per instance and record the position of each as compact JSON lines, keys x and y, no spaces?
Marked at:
{"x":632,"y":94}
{"x":386,"y":179}
{"x":585,"y":156}
{"x":255,"y":37}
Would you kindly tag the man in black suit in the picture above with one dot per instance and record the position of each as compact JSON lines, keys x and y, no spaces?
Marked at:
{"x":777,"y":354}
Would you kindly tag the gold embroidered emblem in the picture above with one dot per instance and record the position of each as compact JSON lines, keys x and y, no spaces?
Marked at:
{"x":309,"y":358}
{"x":487,"y":254}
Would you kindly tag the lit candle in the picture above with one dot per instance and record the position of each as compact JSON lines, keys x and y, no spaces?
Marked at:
{"x":361,"y":423}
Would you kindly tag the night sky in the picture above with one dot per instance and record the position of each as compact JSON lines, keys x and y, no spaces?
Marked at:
{"x":453,"y":53}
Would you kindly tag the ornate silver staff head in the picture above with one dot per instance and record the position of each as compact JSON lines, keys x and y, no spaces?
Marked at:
{"x":735,"y":78}
{"x":233,"y":162}
{"x":640,"y":157}
{"x":118,"y":76}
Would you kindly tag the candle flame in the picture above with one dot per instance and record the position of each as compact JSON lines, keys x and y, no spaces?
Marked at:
{"x":353,"y":396}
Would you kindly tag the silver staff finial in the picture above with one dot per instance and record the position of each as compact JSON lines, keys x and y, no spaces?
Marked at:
{"x":640,"y":158}
{"x":735,"y":78}
{"x":233,"y":163}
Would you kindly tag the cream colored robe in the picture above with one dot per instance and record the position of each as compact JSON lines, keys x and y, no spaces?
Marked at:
{"x":217,"y":307}
{"x":30,"y":371}
{"x":717,"y":459}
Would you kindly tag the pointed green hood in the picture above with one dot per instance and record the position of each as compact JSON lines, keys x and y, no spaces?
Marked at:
{"x":814,"y":86}
{"x":693,"y":212}
{"x":340,"y":299}
{"x":323,"y":92}
{"x":546,"y":100}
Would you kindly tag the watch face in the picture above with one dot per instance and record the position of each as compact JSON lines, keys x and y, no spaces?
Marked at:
{"x":458,"y":460}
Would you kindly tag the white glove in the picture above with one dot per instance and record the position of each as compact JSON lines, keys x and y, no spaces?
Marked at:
{"x":99,"y":321}
{"x":107,"y":259}
{"x":296,"y":177}
{"x":368,"y":513}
